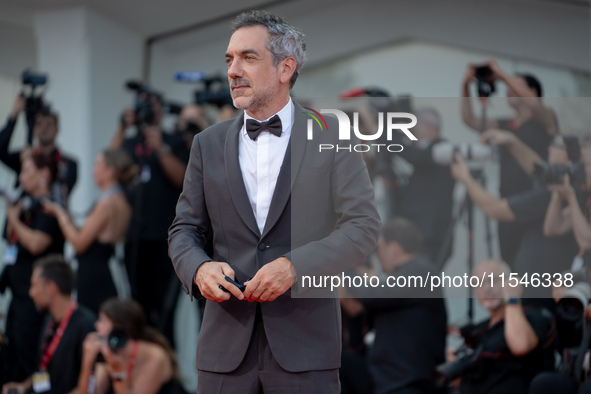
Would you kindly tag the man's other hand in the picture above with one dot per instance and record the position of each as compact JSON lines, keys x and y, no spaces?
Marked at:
{"x":271,"y":281}
{"x":210,"y":276}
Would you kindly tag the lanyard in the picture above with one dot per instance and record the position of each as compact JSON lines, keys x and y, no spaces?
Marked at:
{"x":132,"y":358}
{"x":48,"y":354}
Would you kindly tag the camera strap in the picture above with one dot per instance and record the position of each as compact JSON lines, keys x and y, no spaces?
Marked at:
{"x":59,"y":333}
{"x":132,"y":359}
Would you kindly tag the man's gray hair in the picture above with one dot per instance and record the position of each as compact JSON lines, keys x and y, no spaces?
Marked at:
{"x":284,"y":40}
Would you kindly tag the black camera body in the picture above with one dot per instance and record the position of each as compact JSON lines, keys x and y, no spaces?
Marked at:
{"x":552,"y":174}
{"x":483,"y":75}
{"x":468,"y":354}
{"x":219,"y":96}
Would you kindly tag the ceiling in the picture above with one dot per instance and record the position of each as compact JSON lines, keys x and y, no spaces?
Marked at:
{"x":156,"y":18}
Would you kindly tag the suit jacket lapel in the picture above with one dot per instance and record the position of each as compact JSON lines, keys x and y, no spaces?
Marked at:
{"x":289,"y":168}
{"x":234,"y":177}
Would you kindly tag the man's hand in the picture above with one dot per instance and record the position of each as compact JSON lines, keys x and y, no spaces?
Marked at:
{"x":19,"y":387}
{"x":271,"y":281}
{"x":127,"y":118}
{"x":470,"y":73}
{"x":153,"y":137}
{"x":565,"y":191}
{"x":496,"y":70}
{"x":210,"y":276}
{"x":459,"y":169}
{"x":13,"y":211}
{"x":497,"y":137}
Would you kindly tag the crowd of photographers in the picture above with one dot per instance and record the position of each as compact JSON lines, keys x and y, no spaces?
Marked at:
{"x":535,"y":339}
{"x":46,"y":346}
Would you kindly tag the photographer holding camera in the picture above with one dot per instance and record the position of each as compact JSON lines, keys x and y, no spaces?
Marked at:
{"x":60,"y":350}
{"x":45,"y":130}
{"x":536,"y":253}
{"x":161,"y":158}
{"x":126,"y":356}
{"x":532,"y":122}
{"x":32,"y":234}
{"x":509,"y":348}
{"x":564,"y":211}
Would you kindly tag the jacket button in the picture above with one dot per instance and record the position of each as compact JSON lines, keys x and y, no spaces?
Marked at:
{"x":262,"y":246}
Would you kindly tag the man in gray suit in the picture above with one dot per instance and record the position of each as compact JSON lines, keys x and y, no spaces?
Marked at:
{"x":277,"y":209}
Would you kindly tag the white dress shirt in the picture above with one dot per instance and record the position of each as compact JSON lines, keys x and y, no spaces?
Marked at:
{"x":260,"y":162}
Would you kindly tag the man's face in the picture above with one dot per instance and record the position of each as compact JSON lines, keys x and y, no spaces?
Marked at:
{"x":39,"y":291}
{"x":45,"y":129}
{"x":490,"y":298}
{"x":254,"y":81}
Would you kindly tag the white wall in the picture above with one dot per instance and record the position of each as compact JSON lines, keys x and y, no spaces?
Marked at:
{"x":88,"y":58}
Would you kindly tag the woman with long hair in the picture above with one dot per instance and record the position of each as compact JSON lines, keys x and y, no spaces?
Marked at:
{"x":126,"y":356}
{"x":106,"y":224}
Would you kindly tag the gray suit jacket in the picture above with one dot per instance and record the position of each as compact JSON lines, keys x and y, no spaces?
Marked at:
{"x":322,"y":217}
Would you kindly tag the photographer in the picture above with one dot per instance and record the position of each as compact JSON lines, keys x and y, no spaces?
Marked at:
{"x":532,"y":122}
{"x":60,"y":350}
{"x":192,"y":121}
{"x":32,"y":234}
{"x":125,"y":356}
{"x":410,"y":329}
{"x":45,"y":130}
{"x":510,"y":347}
{"x":536,"y":252}
{"x":561,"y":220}
{"x":162,"y":159}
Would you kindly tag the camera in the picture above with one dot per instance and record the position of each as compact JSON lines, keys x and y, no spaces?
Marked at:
{"x":573,"y":303}
{"x":116,"y":340}
{"x":214,"y":89}
{"x":552,"y":174}
{"x":143,"y":108}
{"x":486,"y":87}
{"x":467,"y":354}
{"x":32,"y":79}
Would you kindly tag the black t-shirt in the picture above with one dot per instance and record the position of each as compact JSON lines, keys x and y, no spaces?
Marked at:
{"x":497,"y":370}
{"x":532,"y":133}
{"x":64,"y":366}
{"x":155,"y":195}
{"x":538,"y":253}
{"x":410,"y":331}
{"x":19,"y":274}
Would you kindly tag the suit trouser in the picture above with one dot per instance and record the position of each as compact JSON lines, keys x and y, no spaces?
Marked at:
{"x":259,"y":372}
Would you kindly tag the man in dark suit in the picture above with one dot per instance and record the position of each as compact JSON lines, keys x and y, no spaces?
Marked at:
{"x":278,"y":209}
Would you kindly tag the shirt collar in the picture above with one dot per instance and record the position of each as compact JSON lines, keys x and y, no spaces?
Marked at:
{"x":285,"y":114}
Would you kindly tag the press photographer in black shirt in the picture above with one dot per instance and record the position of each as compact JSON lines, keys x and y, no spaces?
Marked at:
{"x":536,"y":252}
{"x":162,"y":159}
{"x":533,"y":123}
{"x":32,"y":234}
{"x":66,"y":326}
{"x":510,"y":347}
{"x":45,"y":130}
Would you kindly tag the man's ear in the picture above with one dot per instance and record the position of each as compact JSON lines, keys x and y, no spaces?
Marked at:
{"x":286,"y":69}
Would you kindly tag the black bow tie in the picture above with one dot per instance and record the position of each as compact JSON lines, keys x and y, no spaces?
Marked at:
{"x":254,"y":128}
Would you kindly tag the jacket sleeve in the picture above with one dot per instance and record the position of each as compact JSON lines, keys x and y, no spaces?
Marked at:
{"x":188,"y":234}
{"x":358,"y":223}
